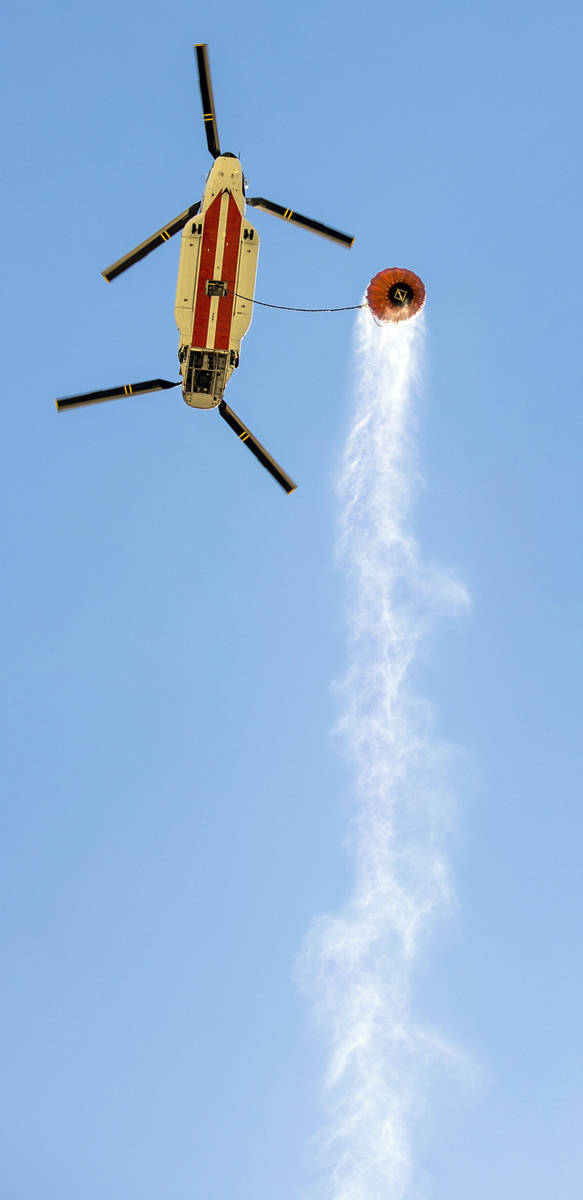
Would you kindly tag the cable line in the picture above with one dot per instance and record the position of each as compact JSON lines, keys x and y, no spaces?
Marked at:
{"x":291,"y":308}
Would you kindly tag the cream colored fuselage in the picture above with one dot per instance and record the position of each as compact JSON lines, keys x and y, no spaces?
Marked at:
{"x":216,"y":285}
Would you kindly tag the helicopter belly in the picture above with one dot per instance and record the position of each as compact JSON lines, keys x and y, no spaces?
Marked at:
{"x":218,"y":258}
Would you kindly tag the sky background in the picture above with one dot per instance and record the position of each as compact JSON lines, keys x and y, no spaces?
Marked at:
{"x":174,"y":801}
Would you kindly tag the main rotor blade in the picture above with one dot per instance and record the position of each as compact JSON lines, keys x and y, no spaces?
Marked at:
{"x":163,"y":235}
{"x":256,"y":448}
{"x":128,"y":389}
{"x":288,"y":214}
{"x":208,"y":104}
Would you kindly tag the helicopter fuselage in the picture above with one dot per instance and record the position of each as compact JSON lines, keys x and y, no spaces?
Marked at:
{"x":216,"y":284}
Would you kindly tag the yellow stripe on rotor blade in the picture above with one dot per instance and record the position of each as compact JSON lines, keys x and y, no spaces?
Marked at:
{"x":288,"y":214}
{"x":244,"y":435}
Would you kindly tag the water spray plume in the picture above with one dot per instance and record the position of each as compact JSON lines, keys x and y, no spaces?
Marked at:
{"x":357,"y":965}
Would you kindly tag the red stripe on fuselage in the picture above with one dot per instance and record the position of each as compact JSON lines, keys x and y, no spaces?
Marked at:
{"x":229,"y":275}
{"x":208,"y":251}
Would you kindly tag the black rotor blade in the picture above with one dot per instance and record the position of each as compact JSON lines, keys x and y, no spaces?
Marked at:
{"x":288,"y":214}
{"x":162,"y":235}
{"x":116,"y":393}
{"x":208,"y":104}
{"x":256,"y":448}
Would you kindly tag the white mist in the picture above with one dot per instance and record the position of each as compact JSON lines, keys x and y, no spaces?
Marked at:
{"x":357,"y":965}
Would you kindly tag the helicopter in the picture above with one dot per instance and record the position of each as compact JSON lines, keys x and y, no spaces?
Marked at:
{"x":216,"y":283}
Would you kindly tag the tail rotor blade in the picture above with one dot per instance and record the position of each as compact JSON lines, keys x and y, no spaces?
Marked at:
{"x":116,"y":393}
{"x":288,"y":214}
{"x":244,"y":434}
{"x":162,"y":235}
{"x":208,"y":104}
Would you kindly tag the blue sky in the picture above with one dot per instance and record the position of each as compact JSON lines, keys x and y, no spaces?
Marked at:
{"x":174,"y":800}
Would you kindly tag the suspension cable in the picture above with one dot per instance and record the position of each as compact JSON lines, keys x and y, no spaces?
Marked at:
{"x":290,"y":308}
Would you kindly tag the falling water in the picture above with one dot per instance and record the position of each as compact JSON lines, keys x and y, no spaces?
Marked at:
{"x":357,"y":964}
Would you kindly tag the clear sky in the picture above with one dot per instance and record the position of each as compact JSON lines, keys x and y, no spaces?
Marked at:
{"x":174,"y":801}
